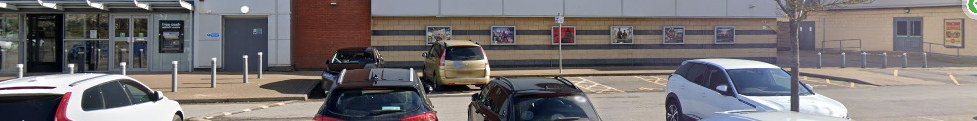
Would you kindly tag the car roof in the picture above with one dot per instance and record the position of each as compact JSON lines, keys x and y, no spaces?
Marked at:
{"x":57,"y":81}
{"x":539,"y":85}
{"x":735,"y":63}
{"x":352,"y":49}
{"x":377,"y":77}
{"x":453,"y":43}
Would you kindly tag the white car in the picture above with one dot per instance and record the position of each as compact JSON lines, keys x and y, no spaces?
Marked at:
{"x":769,"y":116}
{"x":700,"y":88}
{"x":84,"y":97}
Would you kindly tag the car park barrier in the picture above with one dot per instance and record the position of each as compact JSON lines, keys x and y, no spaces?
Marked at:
{"x":71,"y":68}
{"x":245,"y":68}
{"x":843,"y":59}
{"x":819,"y":60}
{"x":123,"y":65}
{"x":261,"y":66}
{"x":864,"y":59}
{"x":885,"y":60}
{"x":213,"y":72}
{"x":905,"y":60}
{"x":175,"y":63}
{"x":20,"y":70}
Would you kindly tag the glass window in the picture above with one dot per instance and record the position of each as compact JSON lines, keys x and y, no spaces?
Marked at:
{"x":359,"y":103}
{"x":463,"y":53}
{"x":140,"y":26}
{"x":902,"y":28}
{"x":9,"y":26}
{"x":696,"y":73}
{"x":81,"y":26}
{"x":114,"y":95}
{"x":92,"y":99}
{"x":137,"y":93}
{"x":554,"y":107}
{"x":351,"y":57}
{"x":763,"y":82}
{"x":29,"y":108}
{"x":717,"y":78}
{"x":121,"y":27}
{"x":917,"y":28}
{"x":683,"y":70}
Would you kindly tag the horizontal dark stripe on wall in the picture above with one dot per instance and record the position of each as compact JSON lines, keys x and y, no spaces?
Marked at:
{"x":579,"y":32}
{"x":593,"y":47}
{"x":577,"y":62}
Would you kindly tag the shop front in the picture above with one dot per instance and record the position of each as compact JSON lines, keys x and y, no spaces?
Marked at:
{"x":93,"y":39}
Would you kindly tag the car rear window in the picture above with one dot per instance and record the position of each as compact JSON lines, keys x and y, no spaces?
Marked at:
{"x":29,"y":108}
{"x":463,"y":53}
{"x":352,"y":57}
{"x":360,"y":103}
{"x":546,"y":107}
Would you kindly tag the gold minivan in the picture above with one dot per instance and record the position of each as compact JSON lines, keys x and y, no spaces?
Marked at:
{"x":455,"y":62}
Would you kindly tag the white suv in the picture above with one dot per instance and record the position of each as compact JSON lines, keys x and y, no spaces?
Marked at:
{"x":84,"y":97}
{"x":700,"y":88}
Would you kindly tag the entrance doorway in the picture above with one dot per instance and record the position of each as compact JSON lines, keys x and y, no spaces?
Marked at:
{"x":907,"y":34}
{"x":44,"y":42}
{"x":806,"y":35}
{"x":245,"y":36}
{"x":130,"y":42}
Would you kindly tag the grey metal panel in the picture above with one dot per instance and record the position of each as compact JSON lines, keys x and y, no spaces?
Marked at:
{"x":240,"y":40}
{"x":404,"y":7}
{"x":593,"y":7}
{"x":234,"y":6}
{"x":751,"y":8}
{"x":701,"y":8}
{"x":532,"y":7}
{"x":642,"y":8}
{"x":902,"y":3}
{"x":471,"y":7}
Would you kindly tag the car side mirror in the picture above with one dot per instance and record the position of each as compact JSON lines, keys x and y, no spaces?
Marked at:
{"x":157,"y":96}
{"x":475,"y":96}
{"x":723,"y":89}
{"x":424,"y":55}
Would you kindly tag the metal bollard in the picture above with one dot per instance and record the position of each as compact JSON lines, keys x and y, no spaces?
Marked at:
{"x":71,"y":68}
{"x":905,"y":60}
{"x":864,"y":59}
{"x":925,"y":61}
{"x":819,"y":60}
{"x":123,"y":64}
{"x":20,"y":70}
{"x":245,"y":68}
{"x":261,"y":65}
{"x":843,"y":59}
{"x":213,"y":72}
{"x":885,"y":60}
{"x":175,"y":63}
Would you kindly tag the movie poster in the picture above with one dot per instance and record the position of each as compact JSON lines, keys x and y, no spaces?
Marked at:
{"x":437,"y":33}
{"x":673,"y":35}
{"x":725,"y":34}
{"x":566,"y":36}
{"x":953,"y":33}
{"x":503,"y":35}
{"x":622,"y":34}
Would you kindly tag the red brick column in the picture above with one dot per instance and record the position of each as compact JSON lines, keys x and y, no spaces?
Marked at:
{"x":320,"y":28}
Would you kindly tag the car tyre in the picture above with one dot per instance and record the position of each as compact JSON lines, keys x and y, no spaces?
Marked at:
{"x":673,"y":111}
{"x":177,"y":118}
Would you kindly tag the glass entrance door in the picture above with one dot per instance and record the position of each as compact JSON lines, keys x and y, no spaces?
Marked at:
{"x":44,"y":42}
{"x":130,"y":41}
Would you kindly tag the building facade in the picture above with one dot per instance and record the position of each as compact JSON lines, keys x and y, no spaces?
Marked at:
{"x":230,"y":29}
{"x":518,"y":33}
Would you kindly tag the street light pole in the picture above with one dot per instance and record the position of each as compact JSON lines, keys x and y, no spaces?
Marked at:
{"x":559,"y":20}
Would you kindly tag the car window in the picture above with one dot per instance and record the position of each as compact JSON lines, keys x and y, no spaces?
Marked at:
{"x":91,"y":99}
{"x":464,"y":53}
{"x":137,"y":92}
{"x":683,"y":70}
{"x":546,"y":107}
{"x":697,"y":74}
{"x":29,"y":108}
{"x":483,"y":97}
{"x":716,"y":78}
{"x":114,"y":95}
{"x":492,"y":97}
{"x":435,"y":51}
{"x":501,"y":97}
{"x":763,"y":82}
{"x":352,"y":57}
{"x":359,"y":103}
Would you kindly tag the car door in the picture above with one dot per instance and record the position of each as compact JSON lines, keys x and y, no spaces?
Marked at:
{"x":688,"y":91}
{"x":140,"y":96}
{"x":487,"y":111}
{"x":479,"y":104}
{"x":430,"y":61}
{"x":717,"y":100}
{"x":115,"y":102}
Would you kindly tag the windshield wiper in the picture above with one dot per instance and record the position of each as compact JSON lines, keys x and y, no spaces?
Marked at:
{"x":381,"y":112}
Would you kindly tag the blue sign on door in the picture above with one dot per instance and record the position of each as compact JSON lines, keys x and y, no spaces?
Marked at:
{"x":213,"y":34}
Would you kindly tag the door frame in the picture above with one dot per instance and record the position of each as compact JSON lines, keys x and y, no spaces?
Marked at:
{"x":59,"y":43}
{"x":223,"y":40}
{"x":812,"y":45}
{"x":131,"y":39}
{"x":910,"y":38}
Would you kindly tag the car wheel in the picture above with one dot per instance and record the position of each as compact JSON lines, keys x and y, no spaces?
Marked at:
{"x":673,"y":111}
{"x":177,"y":118}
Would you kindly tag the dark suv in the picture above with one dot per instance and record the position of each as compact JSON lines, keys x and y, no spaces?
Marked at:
{"x":538,"y":99}
{"x":378,"y":94}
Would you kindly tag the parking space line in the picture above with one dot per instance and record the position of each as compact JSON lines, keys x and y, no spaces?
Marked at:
{"x":952,"y":78}
{"x":591,"y":85}
{"x":657,"y":80}
{"x":649,"y":89}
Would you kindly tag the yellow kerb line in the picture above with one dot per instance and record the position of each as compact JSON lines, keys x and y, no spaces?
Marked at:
{"x":952,"y":78}
{"x":895,"y":72}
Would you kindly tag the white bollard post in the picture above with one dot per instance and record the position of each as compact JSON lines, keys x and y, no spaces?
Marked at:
{"x":213,"y":72}
{"x":71,"y":68}
{"x":175,"y":63}
{"x":20,"y":70}
{"x":123,"y":65}
{"x":245,"y":68}
{"x":261,"y":59}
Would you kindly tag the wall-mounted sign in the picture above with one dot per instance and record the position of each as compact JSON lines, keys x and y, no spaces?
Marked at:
{"x":503,"y":35}
{"x":171,"y":36}
{"x":437,"y":33}
{"x":214,"y":35}
{"x":622,"y":34}
{"x":953,"y":33}
{"x":256,"y":31}
{"x":673,"y":35}
{"x":725,"y":35}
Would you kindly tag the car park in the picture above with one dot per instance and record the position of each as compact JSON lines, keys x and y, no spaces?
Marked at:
{"x":769,"y":116}
{"x":701,"y":87}
{"x":539,"y":99}
{"x":350,"y":58}
{"x":84,"y":97}
{"x":378,"y":94}
{"x":456,"y":62}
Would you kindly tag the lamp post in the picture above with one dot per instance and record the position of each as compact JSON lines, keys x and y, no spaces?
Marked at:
{"x":559,"y":31}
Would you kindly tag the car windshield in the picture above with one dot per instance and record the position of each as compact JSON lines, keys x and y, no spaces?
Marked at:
{"x":554,"y":108}
{"x":360,"y":103}
{"x":29,"y":108}
{"x":763,"y":82}
{"x":463,"y":53}
{"x":352,"y":57}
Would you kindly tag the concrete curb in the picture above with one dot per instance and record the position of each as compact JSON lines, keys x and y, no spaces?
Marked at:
{"x":264,"y":99}
{"x":837,"y":78}
{"x":221,"y":114}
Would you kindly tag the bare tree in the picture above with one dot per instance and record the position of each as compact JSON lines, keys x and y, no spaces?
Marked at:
{"x":796,"y":11}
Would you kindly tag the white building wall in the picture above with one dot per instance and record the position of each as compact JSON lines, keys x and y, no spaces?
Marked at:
{"x":209,"y":16}
{"x":578,"y":8}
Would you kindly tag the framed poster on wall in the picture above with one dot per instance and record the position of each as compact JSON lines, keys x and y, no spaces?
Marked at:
{"x":171,"y":36}
{"x":566,"y":36}
{"x":725,"y":35}
{"x":953,"y":33}
{"x":437,"y":33}
{"x":673,"y":35}
{"x":622,"y":34}
{"x":503,"y":35}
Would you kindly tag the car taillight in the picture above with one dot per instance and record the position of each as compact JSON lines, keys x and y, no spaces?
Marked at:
{"x":484,"y":56}
{"x":324,"y":118}
{"x":61,"y":114}
{"x":427,"y":116}
{"x":442,"y":56}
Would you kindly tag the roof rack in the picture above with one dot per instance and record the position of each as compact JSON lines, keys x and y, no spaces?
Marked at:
{"x":565,"y":81}
{"x":411,"y":75}
{"x":80,"y":81}
{"x":511,"y":86}
{"x":341,"y":75}
{"x":476,"y":42}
